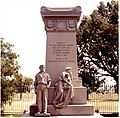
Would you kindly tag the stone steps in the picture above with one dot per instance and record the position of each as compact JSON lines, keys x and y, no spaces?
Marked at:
{"x":74,"y":110}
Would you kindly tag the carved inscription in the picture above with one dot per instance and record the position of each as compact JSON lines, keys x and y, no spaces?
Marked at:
{"x":61,"y":52}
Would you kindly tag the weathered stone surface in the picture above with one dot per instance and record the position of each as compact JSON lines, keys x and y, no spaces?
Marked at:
{"x":77,"y":82}
{"x":61,"y":53}
{"x":80,"y":95}
{"x":33,"y":109}
{"x":61,"y":49}
{"x":60,"y":19}
{"x":42,"y":115}
{"x":74,"y":110}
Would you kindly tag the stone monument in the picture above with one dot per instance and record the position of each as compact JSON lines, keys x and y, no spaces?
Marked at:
{"x":61,"y":52}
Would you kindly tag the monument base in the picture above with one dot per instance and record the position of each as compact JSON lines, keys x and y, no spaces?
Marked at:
{"x":42,"y":115}
{"x":71,"y":110}
{"x":77,"y":107}
{"x":33,"y":109}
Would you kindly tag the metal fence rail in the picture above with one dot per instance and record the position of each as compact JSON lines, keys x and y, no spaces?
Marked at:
{"x":103,"y":102}
{"x":20,"y":105}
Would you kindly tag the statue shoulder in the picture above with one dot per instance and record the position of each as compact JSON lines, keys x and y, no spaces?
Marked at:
{"x":47,"y":74}
{"x":37,"y":75}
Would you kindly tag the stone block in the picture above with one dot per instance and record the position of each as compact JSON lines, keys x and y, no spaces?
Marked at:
{"x":42,"y":115}
{"x":33,"y":109}
{"x":75,"y":110}
{"x":80,"y":95}
{"x":72,"y":110}
{"x":77,"y":82}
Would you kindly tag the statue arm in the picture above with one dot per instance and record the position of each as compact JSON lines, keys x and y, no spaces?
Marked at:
{"x":66,"y":81}
{"x":35,"y":83}
{"x":71,"y":75}
{"x":48,"y":81}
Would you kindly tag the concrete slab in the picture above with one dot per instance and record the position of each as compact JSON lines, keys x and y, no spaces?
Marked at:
{"x":71,"y":110}
{"x":96,"y":115}
{"x":42,"y":115}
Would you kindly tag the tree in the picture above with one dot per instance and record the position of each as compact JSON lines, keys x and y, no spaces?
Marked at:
{"x":24,"y":85}
{"x":9,"y":72}
{"x":27,"y":81}
{"x":97,"y":40}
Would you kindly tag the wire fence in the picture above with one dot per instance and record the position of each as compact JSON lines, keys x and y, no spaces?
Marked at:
{"x":104,"y":102}
{"x":105,"y":99}
{"x":19,"y":105}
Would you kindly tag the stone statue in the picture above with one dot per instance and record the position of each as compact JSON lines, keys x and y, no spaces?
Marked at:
{"x":64,"y":89}
{"x":42,"y":83}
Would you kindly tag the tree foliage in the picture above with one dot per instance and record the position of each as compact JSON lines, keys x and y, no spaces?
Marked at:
{"x":11,"y":79}
{"x":97,"y":40}
{"x":24,"y":84}
{"x":9,"y":72}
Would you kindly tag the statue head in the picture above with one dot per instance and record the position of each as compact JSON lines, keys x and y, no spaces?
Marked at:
{"x":42,"y":67}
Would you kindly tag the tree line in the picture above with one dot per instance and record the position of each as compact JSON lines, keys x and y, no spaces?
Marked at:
{"x":97,"y":41}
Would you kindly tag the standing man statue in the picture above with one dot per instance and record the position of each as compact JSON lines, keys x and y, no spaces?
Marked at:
{"x":42,"y":83}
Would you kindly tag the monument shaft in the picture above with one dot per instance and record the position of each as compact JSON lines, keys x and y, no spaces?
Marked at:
{"x":61,"y":49}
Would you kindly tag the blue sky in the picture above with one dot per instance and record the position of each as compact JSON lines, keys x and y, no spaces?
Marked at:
{"x":21,"y":25}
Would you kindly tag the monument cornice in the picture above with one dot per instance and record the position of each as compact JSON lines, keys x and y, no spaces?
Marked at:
{"x":61,"y":19}
{"x":61,"y":12}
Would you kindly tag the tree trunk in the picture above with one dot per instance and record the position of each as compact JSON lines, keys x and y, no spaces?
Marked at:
{"x":20,"y":95}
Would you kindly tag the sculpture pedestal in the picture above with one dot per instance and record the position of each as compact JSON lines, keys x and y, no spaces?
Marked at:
{"x":80,"y":95}
{"x":42,"y":115}
{"x":33,"y":109}
{"x":71,"y":110}
{"x":78,"y":106}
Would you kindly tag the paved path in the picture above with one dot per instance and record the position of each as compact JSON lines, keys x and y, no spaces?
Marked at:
{"x":94,"y":116}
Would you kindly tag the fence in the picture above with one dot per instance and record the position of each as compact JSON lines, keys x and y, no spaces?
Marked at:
{"x":106,"y":102}
{"x":18,"y":105}
{"x":105,"y":99}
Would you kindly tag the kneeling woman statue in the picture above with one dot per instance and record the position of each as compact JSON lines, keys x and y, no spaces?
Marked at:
{"x":64,"y":89}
